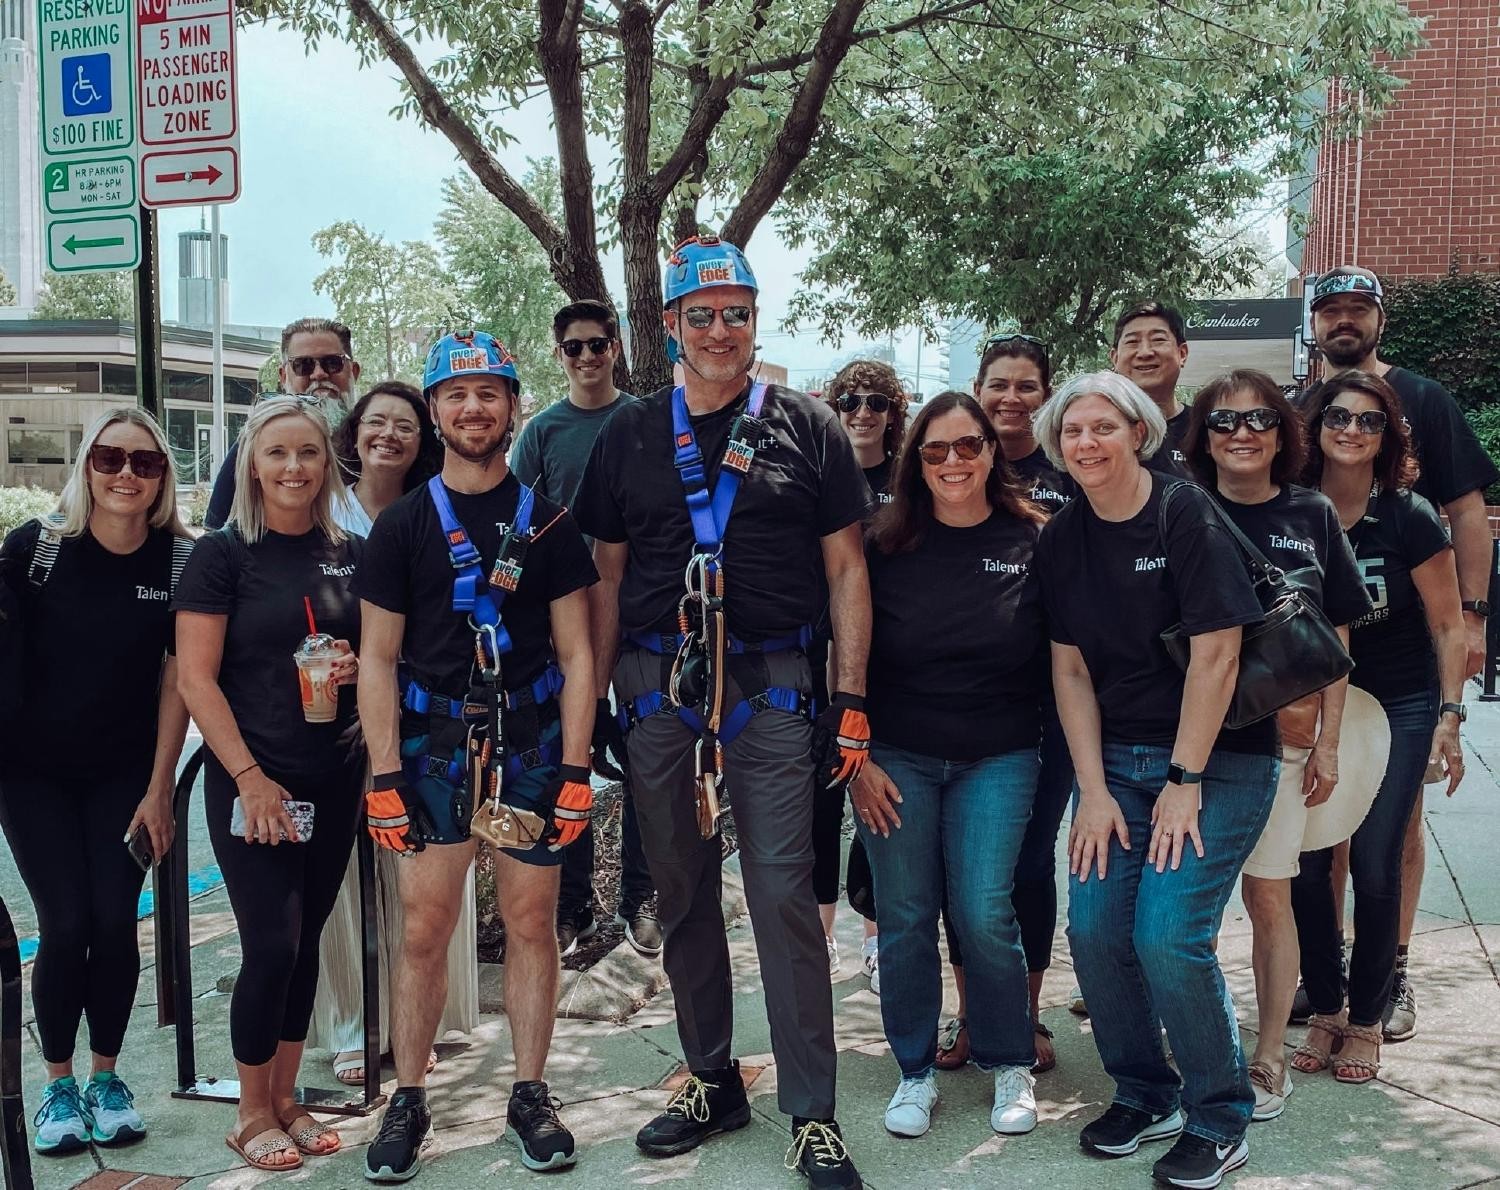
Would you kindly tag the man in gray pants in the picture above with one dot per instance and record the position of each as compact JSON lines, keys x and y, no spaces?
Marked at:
{"x":783,"y":508}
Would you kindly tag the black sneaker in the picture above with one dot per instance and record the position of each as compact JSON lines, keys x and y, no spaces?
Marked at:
{"x":571,"y":933}
{"x":1198,"y":1163}
{"x":819,"y":1155}
{"x":1399,"y":1022}
{"x":710,"y":1102}
{"x":1120,"y":1130}
{"x":1302,"y":1005}
{"x":405,"y":1131}
{"x":531,"y":1124}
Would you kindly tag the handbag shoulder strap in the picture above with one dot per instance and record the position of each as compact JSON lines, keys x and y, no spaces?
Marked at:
{"x":1260,"y":565}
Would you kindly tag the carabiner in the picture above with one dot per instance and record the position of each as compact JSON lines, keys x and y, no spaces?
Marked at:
{"x":489,"y":649}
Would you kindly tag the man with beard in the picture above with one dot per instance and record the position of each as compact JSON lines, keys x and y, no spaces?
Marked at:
{"x":1151,"y":348}
{"x":1348,"y":316}
{"x":744,"y":492}
{"x":477,"y":585}
{"x":317,"y":360}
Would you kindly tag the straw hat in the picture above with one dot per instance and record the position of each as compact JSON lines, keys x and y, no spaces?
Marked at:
{"x":1364,"y":748}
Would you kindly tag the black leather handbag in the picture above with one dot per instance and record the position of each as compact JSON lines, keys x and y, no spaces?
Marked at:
{"x":1291,"y":653}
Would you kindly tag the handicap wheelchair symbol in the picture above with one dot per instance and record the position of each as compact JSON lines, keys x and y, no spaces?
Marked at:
{"x":86,"y":85}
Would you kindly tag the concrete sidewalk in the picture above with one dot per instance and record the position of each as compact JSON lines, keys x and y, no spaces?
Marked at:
{"x":1432,"y":1120}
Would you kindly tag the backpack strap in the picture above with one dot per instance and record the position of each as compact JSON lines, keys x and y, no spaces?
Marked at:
{"x":182,"y":548}
{"x":44,"y":553}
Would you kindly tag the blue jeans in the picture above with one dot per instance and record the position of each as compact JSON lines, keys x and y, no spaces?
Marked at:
{"x":1142,"y":942}
{"x":961,"y":825}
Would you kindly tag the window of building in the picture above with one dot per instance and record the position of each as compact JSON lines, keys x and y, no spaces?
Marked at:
{"x":119,"y":379}
{"x":41,"y":444}
{"x":12,"y":378}
{"x":190,"y":435}
{"x":62,"y":377}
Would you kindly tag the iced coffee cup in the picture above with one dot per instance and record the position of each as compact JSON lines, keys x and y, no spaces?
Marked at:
{"x":320,"y":697}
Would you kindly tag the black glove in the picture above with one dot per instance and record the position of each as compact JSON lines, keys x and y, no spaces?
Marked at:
{"x":609,"y":741}
{"x":395,"y":815}
{"x":841,"y":741}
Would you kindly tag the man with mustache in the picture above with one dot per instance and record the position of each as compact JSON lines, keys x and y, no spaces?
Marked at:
{"x":317,"y":360}
{"x":1348,"y":316}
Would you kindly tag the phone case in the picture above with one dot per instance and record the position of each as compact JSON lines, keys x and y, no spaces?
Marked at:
{"x":139,"y":846}
{"x":301,"y":814}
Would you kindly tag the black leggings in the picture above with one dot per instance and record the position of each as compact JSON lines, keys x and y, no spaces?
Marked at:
{"x":281,"y":897}
{"x":66,"y":835}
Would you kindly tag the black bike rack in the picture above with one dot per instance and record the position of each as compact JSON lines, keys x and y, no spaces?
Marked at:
{"x":174,"y":974}
{"x":1491,"y":674}
{"x":15,"y":1152}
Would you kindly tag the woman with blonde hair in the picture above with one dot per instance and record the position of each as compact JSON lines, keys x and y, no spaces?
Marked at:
{"x":281,"y":792}
{"x":93,"y":581}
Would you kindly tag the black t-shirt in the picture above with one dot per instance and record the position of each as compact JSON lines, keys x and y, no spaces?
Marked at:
{"x":1298,"y":530}
{"x":1453,"y":462}
{"x":1170,"y":458}
{"x":958,"y":651}
{"x":93,"y":641}
{"x":1044,"y":483}
{"x":260,"y":588}
{"x":878,"y":478}
{"x":1391,"y":647}
{"x":804,"y":484}
{"x":1112,"y":588}
{"x":406,"y":569}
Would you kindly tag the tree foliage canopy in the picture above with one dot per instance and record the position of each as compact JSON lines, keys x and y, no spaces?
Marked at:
{"x":94,"y":295}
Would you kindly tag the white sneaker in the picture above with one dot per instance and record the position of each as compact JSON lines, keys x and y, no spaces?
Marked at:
{"x":1014,"y":1113}
{"x":909,"y":1113}
{"x":833,"y":956}
{"x":869,"y":956}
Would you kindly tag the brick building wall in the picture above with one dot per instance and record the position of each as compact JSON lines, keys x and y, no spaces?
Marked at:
{"x":1420,"y":189}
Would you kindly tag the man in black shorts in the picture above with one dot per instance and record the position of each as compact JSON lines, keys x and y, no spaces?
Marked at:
{"x":477,"y":585}
{"x":1348,"y":316}
{"x":549,"y":456}
{"x":776,"y":497}
{"x":1151,"y":348}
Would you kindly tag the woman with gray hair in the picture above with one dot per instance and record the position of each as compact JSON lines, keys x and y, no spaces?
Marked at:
{"x":92,"y":754}
{"x":1167,"y":803}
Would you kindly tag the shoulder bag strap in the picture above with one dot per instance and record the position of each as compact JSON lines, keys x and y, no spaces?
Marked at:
{"x":1261,"y":567}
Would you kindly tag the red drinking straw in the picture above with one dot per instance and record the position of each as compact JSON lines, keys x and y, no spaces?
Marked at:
{"x":312,"y":626}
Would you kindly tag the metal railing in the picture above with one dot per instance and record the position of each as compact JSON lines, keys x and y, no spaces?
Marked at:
{"x":15,"y":1152}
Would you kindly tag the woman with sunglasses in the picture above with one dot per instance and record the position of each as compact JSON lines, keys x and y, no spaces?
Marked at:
{"x":1246,"y":444}
{"x":1168,"y":803}
{"x":250,"y":595}
{"x":955,"y":719}
{"x":1409,"y":654}
{"x":385,"y":448}
{"x":1015,"y":378}
{"x":871,"y":404}
{"x":90,"y":767}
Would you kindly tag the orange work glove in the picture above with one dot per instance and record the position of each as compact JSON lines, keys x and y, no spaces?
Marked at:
{"x":395,"y":816}
{"x":841,"y":741}
{"x":571,"y":799}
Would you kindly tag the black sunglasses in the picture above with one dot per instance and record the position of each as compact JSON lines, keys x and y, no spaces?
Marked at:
{"x":1227,"y":421}
{"x":850,"y":402}
{"x":573,"y":348}
{"x":144,"y":464}
{"x":702,"y":317}
{"x":1371,"y":421}
{"x":966,"y":448}
{"x":306,"y":365}
{"x":1006,"y":340}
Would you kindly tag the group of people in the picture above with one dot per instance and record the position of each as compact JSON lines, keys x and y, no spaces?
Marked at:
{"x":948,"y":614}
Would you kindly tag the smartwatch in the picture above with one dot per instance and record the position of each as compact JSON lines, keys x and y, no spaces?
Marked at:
{"x":1177,"y":775}
{"x":1455,"y":708}
{"x":1480,"y":607}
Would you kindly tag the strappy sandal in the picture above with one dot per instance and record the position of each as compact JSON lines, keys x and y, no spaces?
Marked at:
{"x":953,"y":1045}
{"x":1039,"y":1066}
{"x":263,"y":1139}
{"x":1359,"y":1070}
{"x":1310,"y":1058}
{"x":349,"y":1066}
{"x":305,"y":1131}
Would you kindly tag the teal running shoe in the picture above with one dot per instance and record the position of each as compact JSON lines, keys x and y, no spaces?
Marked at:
{"x":62,"y":1123}
{"x":111,"y":1108}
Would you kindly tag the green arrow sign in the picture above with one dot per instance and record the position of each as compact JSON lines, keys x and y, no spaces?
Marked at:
{"x":73,"y":243}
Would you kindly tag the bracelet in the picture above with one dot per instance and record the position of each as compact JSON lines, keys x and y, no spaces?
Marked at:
{"x":245,"y":770}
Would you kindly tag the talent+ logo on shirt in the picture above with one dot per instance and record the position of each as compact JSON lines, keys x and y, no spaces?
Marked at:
{"x":1150,"y":564}
{"x":996,"y":566}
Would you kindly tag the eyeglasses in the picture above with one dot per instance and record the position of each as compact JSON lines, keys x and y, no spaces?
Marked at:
{"x":306,"y":365}
{"x":966,"y":448}
{"x":401,"y":427}
{"x":850,"y":402}
{"x":573,"y":348}
{"x":1371,"y":421}
{"x":144,"y":464}
{"x":1227,"y":421}
{"x":702,"y":317}
{"x":1006,"y":340}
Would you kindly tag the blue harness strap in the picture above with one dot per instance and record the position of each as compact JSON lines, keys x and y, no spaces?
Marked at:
{"x":472,"y":593}
{"x":777,"y":698}
{"x":709,"y":512}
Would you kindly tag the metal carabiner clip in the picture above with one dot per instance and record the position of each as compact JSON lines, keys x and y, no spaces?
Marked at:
{"x":489,"y":648}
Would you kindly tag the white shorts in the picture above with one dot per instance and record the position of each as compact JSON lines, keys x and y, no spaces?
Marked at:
{"x":1275,"y":855}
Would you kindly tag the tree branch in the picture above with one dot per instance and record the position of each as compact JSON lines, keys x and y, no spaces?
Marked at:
{"x":558,"y":51}
{"x":792,"y":61}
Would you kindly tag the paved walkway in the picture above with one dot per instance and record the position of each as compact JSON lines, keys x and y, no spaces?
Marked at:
{"x":1432,"y":1121}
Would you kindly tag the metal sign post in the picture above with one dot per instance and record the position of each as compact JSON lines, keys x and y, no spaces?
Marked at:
{"x":15,"y":1152}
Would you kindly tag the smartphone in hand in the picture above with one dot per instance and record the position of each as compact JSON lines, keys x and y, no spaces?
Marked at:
{"x":139,"y":846}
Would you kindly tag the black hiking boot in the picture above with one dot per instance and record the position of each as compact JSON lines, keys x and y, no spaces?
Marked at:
{"x":710,"y":1102}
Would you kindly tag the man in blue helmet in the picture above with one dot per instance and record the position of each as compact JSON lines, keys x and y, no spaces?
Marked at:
{"x":716,"y":508}
{"x":478,"y":586}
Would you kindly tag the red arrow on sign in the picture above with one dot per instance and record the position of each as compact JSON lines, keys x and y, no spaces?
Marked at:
{"x":210,"y":175}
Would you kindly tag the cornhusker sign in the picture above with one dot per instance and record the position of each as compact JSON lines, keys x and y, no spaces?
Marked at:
{"x":189,"y":102}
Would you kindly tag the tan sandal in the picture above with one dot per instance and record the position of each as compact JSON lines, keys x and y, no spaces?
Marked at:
{"x":263,"y":1139}
{"x":305,"y":1131}
{"x":1356,"y":1071}
{"x":1310,"y":1058}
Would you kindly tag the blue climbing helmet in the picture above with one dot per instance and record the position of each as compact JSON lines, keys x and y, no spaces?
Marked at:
{"x":468,"y":353}
{"x":705,"y":261}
